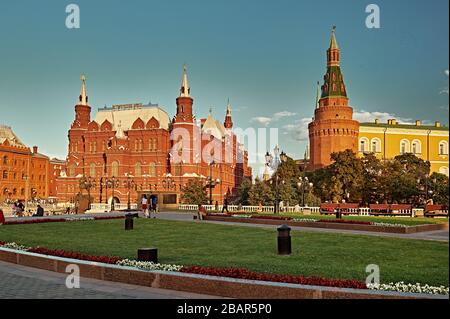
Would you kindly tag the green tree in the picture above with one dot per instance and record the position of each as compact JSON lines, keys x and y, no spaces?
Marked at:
{"x":439,"y":184}
{"x":243,"y":192}
{"x":194,"y":193}
{"x":261,"y":193}
{"x":346,"y":176}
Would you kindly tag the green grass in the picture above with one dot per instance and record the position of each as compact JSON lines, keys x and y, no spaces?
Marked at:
{"x":408,"y":221}
{"x":187,"y":243}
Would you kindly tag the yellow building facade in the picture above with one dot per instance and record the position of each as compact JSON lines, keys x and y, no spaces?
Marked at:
{"x":387,"y":140}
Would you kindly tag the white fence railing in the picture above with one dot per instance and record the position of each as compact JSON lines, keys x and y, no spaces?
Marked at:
{"x":102,"y":208}
{"x":250,"y":209}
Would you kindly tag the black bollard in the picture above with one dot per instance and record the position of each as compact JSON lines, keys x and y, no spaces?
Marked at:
{"x":129,"y":223}
{"x":148,"y":254}
{"x":284,"y":240}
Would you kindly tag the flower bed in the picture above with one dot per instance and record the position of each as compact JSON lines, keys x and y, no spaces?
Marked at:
{"x":75,"y":255}
{"x":250,"y":275}
{"x":238,"y":273}
{"x":343,"y":221}
{"x":271,"y":217}
{"x":60,"y":220}
{"x":410,"y":288}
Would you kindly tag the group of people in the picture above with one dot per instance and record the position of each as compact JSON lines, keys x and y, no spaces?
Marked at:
{"x":149,"y":207}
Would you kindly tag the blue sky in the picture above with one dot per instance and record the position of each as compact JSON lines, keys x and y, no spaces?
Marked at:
{"x":266,"y":56}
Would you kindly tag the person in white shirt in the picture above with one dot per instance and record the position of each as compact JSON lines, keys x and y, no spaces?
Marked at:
{"x":144,"y":204}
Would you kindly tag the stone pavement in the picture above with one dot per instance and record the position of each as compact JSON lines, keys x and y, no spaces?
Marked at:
{"x":19,"y":282}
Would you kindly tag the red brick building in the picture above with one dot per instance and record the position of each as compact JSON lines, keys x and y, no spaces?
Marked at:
{"x":127,"y":150}
{"x":333,"y":128}
{"x":24,"y":173}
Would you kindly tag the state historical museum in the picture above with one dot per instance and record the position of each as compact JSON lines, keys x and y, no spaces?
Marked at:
{"x":129,"y":150}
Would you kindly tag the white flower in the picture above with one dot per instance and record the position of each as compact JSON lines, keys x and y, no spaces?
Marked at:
{"x":410,"y":288}
{"x":304,"y":220}
{"x":388,"y":225}
{"x":15,"y":246}
{"x":145,"y":265}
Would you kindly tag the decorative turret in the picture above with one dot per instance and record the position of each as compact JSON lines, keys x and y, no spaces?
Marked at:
{"x":228,"y":120}
{"x":82,"y":109}
{"x":83,"y":98}
{"x":333,"y":80}
{"x":184,"y":102}
{"x":333,"y":128}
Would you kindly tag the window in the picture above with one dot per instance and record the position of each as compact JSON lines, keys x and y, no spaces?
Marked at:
{"x":404,"y":147}
{"x":5,"y":174}
{"x":444,"y":170}
{"x":92,"y":170}
{"x":152,"y":171}
{"x":5,"y":160}
{"x":416,"y":147}
{"x":115,"y":169}
{"x":376,"y":145}
{"x":363,"y":145}
{"x":138,"y":170}
{"x":443,"y":148}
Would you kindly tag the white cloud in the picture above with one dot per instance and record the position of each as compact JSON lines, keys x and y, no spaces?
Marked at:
{"x":274,"y":118}
{"x":262,"y":120}
{"x":445,"y":90}
{"x":298,"y":130}
{"x":280,"y":115}
{"x":365,"y":117}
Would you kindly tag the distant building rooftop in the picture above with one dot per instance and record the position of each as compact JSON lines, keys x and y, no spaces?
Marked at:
{"x":417,"y":126}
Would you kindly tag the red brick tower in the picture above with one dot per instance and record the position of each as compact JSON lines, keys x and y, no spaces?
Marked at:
{"x":228,"y":120}
{"x":333,"y":128}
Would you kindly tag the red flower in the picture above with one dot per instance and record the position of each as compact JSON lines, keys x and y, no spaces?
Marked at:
{"x":342,"y":221}
{"x":250,"y":275}
{"x":75,"y":255}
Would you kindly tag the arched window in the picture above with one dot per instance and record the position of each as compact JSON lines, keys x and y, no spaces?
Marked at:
{"x":115,"y":169}
{"x":152,"y":171}
{"x":443,"y":148}
{"x":443,"y":170}
{"x":363,"y":145}
{"x":404,"y":147}
{"x":92,"y":170}
{"x":416,"y":147}
{"x":376,"y":145}
{"x":138,"y":170}
{"x":5,"y":174}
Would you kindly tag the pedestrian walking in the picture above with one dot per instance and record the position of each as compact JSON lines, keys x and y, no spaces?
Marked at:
{"x":225,"y":205}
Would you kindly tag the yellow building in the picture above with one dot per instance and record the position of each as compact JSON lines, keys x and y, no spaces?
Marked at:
{"x":387,"y":140}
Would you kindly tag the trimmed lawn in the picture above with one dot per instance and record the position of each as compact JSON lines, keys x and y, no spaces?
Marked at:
{"x":408,"y":221}
{"x":187,"y":243}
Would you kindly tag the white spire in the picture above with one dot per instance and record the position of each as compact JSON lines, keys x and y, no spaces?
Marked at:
{"x":318,"y":94}
{"x":228,"y":108}
{"x":185,"y":91}
{"x":120,"y":133}
{"x":83,"y":99}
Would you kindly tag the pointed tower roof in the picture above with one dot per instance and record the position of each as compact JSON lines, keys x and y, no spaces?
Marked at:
{"x":228,"y":120}
{"x":185,"y":91}
{"x":334,"y":44}
{"x":83,"y":98}
{"x":318,"y":95}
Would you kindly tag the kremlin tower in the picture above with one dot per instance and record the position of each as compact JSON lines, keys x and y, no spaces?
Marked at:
{"x":333,"y":128}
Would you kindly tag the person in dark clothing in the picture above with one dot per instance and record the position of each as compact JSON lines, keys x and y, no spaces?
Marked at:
{"x":225,"y":205}
{"x":39,"y":212}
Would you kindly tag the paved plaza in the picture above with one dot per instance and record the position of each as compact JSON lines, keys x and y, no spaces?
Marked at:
{"x":19,"y":282}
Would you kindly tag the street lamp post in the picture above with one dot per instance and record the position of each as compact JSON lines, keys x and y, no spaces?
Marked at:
{"x":274,"y":162}
{"x":129,"y":184}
